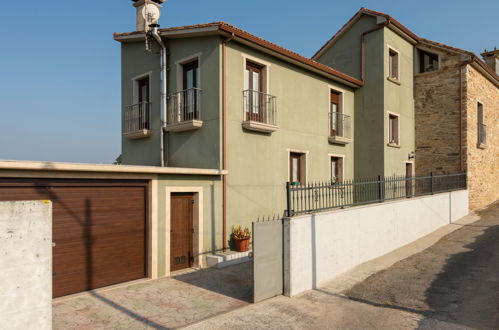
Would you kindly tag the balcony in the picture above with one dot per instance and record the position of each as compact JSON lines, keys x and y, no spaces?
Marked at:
{"x":184,"y":111}
{"x":482,"y":136}
{"x":259,"y":112}
{"x":340,"y":128}
{"x":138,"y":121}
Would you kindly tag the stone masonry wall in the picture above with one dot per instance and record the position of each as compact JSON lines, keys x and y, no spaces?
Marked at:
{"x":482,"y":163}
{"x":437,"y":121}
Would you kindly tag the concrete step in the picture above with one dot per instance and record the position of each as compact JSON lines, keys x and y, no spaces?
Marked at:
{"x":225,"y":259}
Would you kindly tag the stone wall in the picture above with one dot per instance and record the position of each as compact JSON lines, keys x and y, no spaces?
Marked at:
{"x":437,"y":114}
{"x":482,"y":162}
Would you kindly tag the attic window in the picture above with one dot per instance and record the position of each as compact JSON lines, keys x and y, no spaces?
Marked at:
{"x":428,"y":62}
{"x":394,"y":64}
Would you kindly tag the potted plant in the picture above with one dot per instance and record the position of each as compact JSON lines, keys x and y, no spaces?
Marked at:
{"x":241,"y":238}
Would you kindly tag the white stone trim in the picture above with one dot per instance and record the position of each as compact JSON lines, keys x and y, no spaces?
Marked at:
{"x":7,"y":165}
{"x":388,"y":49}
{"x":179,"y":67}
{"x":266,"y":65}
{"x":342,"y":165}
{"x":197,"y":223}
{"x":388,"y":113}
{"x":298,"y":151}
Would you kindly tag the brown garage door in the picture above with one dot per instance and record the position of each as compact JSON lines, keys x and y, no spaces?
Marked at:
{"x":99,"y":229}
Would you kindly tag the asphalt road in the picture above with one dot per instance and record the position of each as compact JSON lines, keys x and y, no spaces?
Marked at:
{"x":455,"y":280}
{"x":453,"y":284}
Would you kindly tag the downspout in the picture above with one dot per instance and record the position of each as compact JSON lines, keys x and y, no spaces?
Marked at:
{"x":224,"y":140}
{"x":164,"y":81}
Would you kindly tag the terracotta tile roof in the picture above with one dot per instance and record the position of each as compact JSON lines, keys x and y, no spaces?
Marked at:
{"x":230,"y":29}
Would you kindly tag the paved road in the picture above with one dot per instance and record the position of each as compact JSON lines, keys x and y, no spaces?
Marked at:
{"x":454,"y":284}
{"x":158,"y":304}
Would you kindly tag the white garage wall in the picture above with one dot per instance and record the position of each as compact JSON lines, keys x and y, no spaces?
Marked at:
{"x":321,"y":246}
{"x":26,"y":265}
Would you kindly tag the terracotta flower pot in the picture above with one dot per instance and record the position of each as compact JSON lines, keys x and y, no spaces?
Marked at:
{"x":242,"y":245}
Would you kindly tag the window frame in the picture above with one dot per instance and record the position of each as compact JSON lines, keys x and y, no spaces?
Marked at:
{"x":391,"y":51}
{"x":180,"y":70}
{"x":303,"y":160}
{"x":341,"y":175}
{"x":397,"y":117}
{"x":420,"y":62}
{"x":135,"y":86}
{"x":480,"y":120}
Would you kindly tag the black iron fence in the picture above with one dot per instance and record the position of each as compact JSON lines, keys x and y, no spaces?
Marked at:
{"x":321,"y":196}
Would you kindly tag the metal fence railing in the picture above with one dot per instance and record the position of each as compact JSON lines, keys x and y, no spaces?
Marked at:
{"x":321,"y":196}
{"x":340,"y":125}
{"x":259,"y":107}
{"x":137,"y":117}
{"x":184,"y":106}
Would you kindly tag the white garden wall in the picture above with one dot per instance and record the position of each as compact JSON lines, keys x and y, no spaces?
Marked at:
{"x":26,"y":265}
{"x":321,"y":246}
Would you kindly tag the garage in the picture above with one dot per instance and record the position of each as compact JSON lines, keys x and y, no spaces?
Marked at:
{"x":99,"y":229}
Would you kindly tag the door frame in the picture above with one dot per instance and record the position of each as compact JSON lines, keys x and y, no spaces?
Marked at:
{"x":197,"y":222}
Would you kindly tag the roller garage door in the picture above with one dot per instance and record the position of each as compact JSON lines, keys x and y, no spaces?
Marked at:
{"x":99,"y":229}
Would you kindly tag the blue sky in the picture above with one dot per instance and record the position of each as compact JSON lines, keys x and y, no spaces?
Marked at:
{"x":60,"y":68}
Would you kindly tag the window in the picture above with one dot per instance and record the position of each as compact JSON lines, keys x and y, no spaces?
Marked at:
{"x":336,"y":169}
{"x":143,"y":90}
{"x":393,"y":64}
{"x":297,"y":168}
{"x":336,"y":109}
{"x":481,"y":128}
{"x":189,"y":95}
{"x":393,"y":129}
{"x":254,"y":83}
{"x":427,"y":61}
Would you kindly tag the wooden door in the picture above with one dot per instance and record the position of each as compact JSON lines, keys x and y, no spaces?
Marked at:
{"x":408,"y":182}
{"x":181,"y":231}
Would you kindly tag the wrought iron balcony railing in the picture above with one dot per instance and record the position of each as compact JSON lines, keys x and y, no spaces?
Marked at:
{"x":260,"y":111}
{"x":340,"y":127}
{"x":184,"y":110}
{"x":137,"y":120}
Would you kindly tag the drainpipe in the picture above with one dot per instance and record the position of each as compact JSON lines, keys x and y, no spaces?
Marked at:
{"x":224,"y":139}
{"x":164,"y":80}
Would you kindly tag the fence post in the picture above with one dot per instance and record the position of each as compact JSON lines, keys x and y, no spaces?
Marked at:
{"x":380,"y":189}
{"x":288,"y":199}
{"x":431,"y":182}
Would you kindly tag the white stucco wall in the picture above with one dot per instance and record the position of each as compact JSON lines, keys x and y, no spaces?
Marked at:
{"x":321,"y":246}
{"x":26,"y":265}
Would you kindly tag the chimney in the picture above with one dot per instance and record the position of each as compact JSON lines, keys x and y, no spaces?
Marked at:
{"x":148,"y":12}
{"x":492,"y":59}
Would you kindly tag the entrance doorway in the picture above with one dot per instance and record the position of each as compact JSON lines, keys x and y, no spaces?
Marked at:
{"x":181,"y":231}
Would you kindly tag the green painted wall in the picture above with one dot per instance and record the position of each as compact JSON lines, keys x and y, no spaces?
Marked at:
{"x":345,"y":54}
{"x":399,"y":99}
{"x":257,"y":162}
{"x":199,"y":148}
{"x":212,"y":212}
{"x":378,"y":97}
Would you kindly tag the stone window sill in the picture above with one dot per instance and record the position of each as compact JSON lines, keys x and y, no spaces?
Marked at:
{"x":140,"y":134}
{"x":259,"y":127}
{"x":481,"y":146}
{"x":393,"y":145}
{"x":393,"y":80}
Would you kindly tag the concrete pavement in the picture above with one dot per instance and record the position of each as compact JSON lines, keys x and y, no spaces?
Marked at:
{"x":451,"y":282}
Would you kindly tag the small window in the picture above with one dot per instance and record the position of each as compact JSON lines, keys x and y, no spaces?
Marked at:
{"x":393,"y":129}
{"x":336,"y":169}
{"x":297,"y":168}
{"x":481,"y":128}
{"x":427,"y":61}
{"x":394,"y":64}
